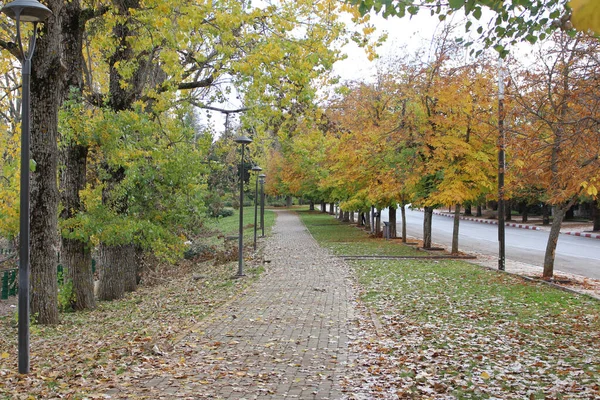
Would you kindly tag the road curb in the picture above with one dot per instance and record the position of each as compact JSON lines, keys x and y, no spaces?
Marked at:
{"x":582,"y":234}
{"x":490,"y":221}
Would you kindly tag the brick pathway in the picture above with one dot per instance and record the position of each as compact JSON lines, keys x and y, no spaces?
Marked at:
{"x":285,"y":338}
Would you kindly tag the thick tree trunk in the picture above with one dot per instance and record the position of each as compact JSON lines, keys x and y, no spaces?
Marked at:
{"x":77,"y":259}
{"x":288,"y":201}
{"x":455,"y":229}
{"x":596,"y":215}
{"x":311,"y":206}
{"x":346,"y":216}
{"x":403,"y":212}
{"x":479,"y":211}
{"x":46,"y":72}
{"x":524,"y":212}
{"x":323,"y":207}
{"x":427,"y":220}
{"x":559,"y":212}
{"x":112,"y":272}
{"x":331,"y":209}
{"x":377,"y":229}
{"x":75,"y":255}
{"x":392,"y":225}
{"x":130,"y":267}
{"x":352,"y":220}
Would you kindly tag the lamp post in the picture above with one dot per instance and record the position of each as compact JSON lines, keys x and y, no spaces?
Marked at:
{"x":261,"y":180}
{"x":256,"y":168}
{"x":501,"y":167}
{"x":242,"y":140}
{"x":25,"y":11}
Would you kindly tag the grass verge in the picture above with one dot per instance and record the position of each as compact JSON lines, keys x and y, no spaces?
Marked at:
{"x":455,"y":330}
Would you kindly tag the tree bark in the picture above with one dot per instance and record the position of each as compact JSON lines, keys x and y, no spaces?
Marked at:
{"x":596,"y":215}
{"x":427,"y":220}
{"x":112,"y":272}
{"x":46,"y":72}
{"x":288,"y":201}
{"x":455,"y":229}
{"x":559,"y":212}
{"x":403,"y":212}
{"x":352,"y":220}
{"x":323,"y":207}
{"x":377,"y":229}
{"x":346,"y":216}
{"x":545,"y":214}
{"x":77,"y":259}
{"x":479,"y":211}
{"x":468,"y":209}
{"x":311,"y":206}
{"x":331,"y":209}
{"x":393,"y":230}
{"x":130,"y":267}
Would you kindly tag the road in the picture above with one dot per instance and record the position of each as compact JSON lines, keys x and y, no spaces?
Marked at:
{"x":576,"y":255}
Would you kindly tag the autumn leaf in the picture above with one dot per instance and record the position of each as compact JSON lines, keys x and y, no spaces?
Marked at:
{"x":586,"y":15}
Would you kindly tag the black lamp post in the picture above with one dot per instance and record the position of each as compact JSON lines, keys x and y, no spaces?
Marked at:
{"x":243,"y":140}
{"x":256,"y":168}
{"x":25,"y":11}
{"x":501,"y":168}
{"x":261,"y":180}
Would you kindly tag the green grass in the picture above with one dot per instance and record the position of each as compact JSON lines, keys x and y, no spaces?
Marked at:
{"x":348,"y":240}
{"x":476,"y":333}
{"x":229,"y":226}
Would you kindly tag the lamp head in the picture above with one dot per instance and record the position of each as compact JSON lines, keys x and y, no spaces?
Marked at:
{"x":242,"y":140}
{"x":256,"y":168}
{"x":263,"y":176}
{"x":27,"y":10}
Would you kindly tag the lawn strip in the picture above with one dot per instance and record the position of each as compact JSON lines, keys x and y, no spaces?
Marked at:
{"x":454,"y":330}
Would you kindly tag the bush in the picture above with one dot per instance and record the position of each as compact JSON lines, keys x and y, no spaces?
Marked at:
{"x":199,"y":250}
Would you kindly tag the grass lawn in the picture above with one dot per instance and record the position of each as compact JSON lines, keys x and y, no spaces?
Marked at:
{"x":455,"y":330}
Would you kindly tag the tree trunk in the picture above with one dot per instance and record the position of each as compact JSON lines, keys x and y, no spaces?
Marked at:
{"x":112,"y":272}
{"x":130,"y":267}
{"x":525,"y":213}
{"x":559,"y":212}
{"x":352,"y":220}
{"x":596,"y":215}
{"x":479,"y":211}
{"x":377,"y":223}
{"x":361,"y":219}
{"x":403,"y":212}
{"x":427,"y":220}
{"x":468,"y":209}
{"x":323,"y":207}
{"x":331,"y":209}
{"x":455,"y":229}
{"x":392,"y":225}
{"x":311,"y":206}
{"x":545,"y":214}
{"x":288,"y":201}
{"x":46,"y":72}
{"x":346,"y":216}
{"x":372,"y":220}
{"x":77,"y":259}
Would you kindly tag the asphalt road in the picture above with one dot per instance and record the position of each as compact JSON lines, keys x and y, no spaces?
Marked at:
{"x":574,"y":254}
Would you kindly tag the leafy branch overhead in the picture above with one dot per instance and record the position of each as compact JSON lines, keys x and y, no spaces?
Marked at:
{"x":515,"y":20}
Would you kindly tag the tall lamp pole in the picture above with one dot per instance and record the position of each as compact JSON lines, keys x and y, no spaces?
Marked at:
{"x":261,"y":180}
{"x":501,"y":167}
{"x":242,"y":140}
{"x":256,"y":168}
{"x":25,"y":11}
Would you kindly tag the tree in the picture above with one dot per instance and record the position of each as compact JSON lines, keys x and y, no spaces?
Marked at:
{"x":557,"y":142}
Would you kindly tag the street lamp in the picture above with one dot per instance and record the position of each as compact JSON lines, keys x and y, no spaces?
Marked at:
{"x":501,"y":168}
{"x":261,"y":180}
{"x":243,"y":140}
{"x":26,"y":11}
{"x":256,"y":168}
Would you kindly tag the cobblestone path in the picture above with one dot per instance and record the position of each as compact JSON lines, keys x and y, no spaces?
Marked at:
{"x":286,"y":337}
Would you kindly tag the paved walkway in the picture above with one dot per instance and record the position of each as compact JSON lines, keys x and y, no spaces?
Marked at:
{"x":287,"y":336}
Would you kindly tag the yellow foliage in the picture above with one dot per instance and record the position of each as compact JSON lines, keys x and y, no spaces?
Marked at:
{"x":586,"y":15}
